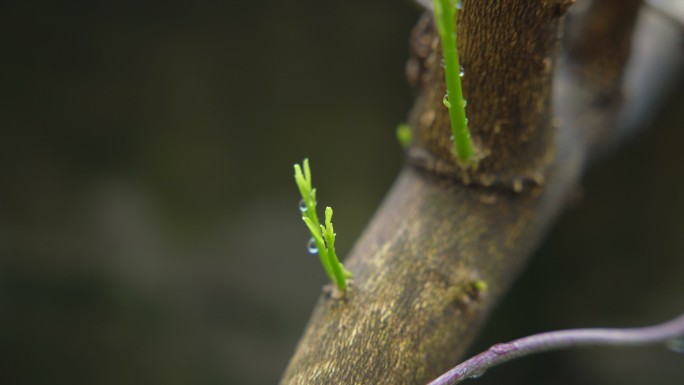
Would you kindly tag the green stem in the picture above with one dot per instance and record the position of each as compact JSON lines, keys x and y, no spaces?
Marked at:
{"x":340,"y":276}
{"x":317,"y":235}
{"x":329,"y":234}
{"x":325,"y":261}
{"x":445,"y":16}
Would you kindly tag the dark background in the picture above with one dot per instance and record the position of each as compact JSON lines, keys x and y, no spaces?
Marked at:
{"x":149,"y":230}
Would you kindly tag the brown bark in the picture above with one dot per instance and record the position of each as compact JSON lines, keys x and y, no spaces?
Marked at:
{"x":417,"y":299}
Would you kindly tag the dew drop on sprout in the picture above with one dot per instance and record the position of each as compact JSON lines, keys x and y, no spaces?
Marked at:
{"x":445,"y":100}
{"x":465,"y":102}
{"x":459,"y":5}
{"x":311,"y":246}
{"x":302,"y":206}
{"x":442,"y":63}
{"x":461,"y":72}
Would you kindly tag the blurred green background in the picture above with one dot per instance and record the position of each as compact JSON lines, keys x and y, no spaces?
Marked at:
{"x":149,"y":230}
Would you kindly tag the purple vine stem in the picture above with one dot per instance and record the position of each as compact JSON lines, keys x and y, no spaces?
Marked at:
{"x":562,"y":339}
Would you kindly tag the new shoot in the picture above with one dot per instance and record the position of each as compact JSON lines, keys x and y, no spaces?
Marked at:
{"x":446,"y":12}
{"x":322,"y":240}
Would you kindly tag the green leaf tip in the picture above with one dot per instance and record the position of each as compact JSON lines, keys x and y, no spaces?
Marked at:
{"x":328,"y":220}
{"x":303,"y":179}
{"x":323,"y":235}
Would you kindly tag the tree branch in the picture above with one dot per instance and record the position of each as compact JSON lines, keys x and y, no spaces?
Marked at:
{"x":418,"y":297}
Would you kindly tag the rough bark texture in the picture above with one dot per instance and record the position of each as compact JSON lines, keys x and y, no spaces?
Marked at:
{"x":418,"y":299}
{"x":416,"y":303}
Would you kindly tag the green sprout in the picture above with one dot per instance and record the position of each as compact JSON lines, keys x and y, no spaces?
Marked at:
{"x":322,"y":237}
{"x":480,"y":285}
{"x":446,"y":12}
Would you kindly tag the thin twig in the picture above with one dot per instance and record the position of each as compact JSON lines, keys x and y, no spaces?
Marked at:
{"x":562,"y":339}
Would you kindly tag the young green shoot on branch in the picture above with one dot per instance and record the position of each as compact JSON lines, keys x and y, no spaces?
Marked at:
{"x":446,"y":12}
{"x":322,"y":240}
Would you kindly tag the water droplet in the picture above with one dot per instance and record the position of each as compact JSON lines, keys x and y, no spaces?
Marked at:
{"x":676,"y":345}
{"x":465,"y":103}
{"x":442,"y":63}
{"x":461,"y":72}
{"x":466,"y":121}
{"x":477,"y":374}
{"x":311,"y":246}
{"x":445,"y":100}
{"x":302,"y":206}
{"x":451,"y":138}
{"x":459,"y":5}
